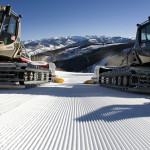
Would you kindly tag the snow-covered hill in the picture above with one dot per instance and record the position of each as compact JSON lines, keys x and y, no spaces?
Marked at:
{"x":74,"y":116}
{"x":85,"y":59}
{"x":77,"y":53}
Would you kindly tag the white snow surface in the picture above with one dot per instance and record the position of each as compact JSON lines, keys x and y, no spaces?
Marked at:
{"x":73,"y":116}
{"x":100,"y":63}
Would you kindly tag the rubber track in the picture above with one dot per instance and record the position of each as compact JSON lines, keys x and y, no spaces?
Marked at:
{"x":129,"y":89}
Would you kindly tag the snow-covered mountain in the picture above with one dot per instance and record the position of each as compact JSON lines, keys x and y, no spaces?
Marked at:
{"x":35,"y":47}
{"x":85,"y":59}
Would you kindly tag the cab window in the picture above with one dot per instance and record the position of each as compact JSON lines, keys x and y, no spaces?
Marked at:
{"x":12,"y":26}
{"x":145,"y":33}
{"x":148,"y":32}
{"x":8,"y":34}
{"x":1,"y":15}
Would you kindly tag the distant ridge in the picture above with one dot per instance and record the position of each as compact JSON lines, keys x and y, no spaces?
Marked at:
{"x":49,"y":44}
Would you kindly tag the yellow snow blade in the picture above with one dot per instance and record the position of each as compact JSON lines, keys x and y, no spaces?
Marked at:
{"x":88,"y":82}
{"x":58,"y":80}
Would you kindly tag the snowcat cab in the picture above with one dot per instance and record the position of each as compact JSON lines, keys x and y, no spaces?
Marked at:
{"x":142,"y":44}
{"x":10,"y":33}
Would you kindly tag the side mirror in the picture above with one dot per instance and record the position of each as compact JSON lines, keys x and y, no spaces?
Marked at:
{"x":149,"y":18}
{"x":8,"y":10}
{"x":20,"y":16}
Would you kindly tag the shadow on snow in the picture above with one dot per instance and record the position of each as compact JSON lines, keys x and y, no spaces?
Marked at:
{"x":75,"y":90}
{"x":117,"y":112}
{"x":107,"y":113}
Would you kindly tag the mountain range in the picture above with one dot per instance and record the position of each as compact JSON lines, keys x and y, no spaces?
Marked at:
{"x":35,"y":47}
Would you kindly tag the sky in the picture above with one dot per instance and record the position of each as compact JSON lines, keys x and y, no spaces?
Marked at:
{"x":62,"y":18}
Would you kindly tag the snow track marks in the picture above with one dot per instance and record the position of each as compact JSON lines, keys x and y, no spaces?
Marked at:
{"x":73,"y":116}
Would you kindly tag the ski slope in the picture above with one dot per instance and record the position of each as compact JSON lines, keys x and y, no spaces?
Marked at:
{"x":73,"y":116}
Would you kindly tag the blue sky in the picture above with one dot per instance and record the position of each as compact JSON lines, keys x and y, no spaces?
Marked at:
{"x":53,"y":18}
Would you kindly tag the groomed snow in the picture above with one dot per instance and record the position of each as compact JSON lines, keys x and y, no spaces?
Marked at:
{"x":73,"y":116}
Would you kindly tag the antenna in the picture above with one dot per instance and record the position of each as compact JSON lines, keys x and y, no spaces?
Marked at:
{"x":149,"y":18}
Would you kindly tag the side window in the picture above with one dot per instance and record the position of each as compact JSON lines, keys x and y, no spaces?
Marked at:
{"x":148,"y":32}
{"x":8,"y":34}
{"x":12,"y":26}
{"x":143,"y":35}
{"x":1,"y":13}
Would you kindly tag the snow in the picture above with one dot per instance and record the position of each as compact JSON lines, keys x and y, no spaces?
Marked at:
{"x":93,"y":40}
{"x":76,"y":51}
{"x":73,"y":116}
{"x":100,"y":63}
{"x":100,"y":46}
{"x":105,"y":60}
{"x":93,"y":47}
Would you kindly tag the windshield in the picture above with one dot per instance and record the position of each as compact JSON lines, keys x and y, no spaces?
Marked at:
{"x":145,"y":36}
{"x":144,"y":40}
{"x":8,"y":32}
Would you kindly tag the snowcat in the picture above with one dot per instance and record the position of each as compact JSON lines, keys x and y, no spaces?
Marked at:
{"x":133,"y":73}
{"x":16,"y":68}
